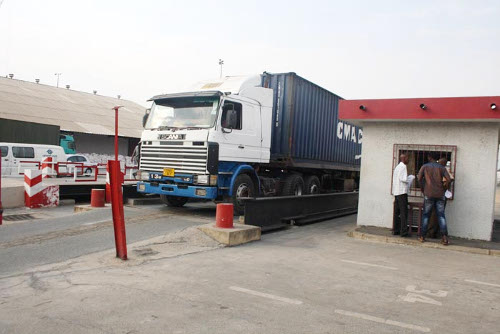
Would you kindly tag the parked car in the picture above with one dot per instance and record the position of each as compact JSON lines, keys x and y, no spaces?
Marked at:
{"x":83,"y":159}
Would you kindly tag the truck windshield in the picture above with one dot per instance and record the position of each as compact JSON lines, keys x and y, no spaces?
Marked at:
{"x":185,"y":112}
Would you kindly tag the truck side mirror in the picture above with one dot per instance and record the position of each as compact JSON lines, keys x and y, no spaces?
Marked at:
{"x":145,"y":117}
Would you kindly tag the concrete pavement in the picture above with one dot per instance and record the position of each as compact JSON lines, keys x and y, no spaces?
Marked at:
{"x":310,"y":279}
{"x":59,"y":234}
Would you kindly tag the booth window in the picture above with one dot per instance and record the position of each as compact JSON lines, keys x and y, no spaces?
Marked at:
{"x":417,"y":157}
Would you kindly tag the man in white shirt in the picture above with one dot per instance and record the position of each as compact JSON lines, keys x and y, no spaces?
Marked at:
{"x":400,"y":192}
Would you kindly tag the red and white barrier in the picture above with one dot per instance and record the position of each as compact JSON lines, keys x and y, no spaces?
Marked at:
{"x":108,"y":185}
{"x":37,"y":194}
{"x":47,"y":170}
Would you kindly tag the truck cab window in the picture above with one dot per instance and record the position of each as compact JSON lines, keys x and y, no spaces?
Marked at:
{"x":5,"y":150}
{"x":23,"y":152}
{"x":231,"y":113}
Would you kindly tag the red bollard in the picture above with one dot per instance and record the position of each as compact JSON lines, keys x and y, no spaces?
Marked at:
{"x":224,"y":215}
{"x":115,"y":176}
{"x":97,"y":198}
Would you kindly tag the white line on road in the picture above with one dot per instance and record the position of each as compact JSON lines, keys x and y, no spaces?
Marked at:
{"x":369,"y":264}
{"x":266,"y":295}
{"x":383,"y":321}
{"x":483,"y":283}
{"x":97,"y":222}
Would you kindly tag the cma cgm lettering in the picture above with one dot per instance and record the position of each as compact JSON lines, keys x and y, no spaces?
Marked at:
{"x":349,"y":132}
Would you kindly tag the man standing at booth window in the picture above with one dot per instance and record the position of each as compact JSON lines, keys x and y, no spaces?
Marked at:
{"x":431,"y":177}
{"x":400,"y":192}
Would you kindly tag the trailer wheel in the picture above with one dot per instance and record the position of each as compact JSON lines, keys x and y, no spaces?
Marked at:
{"x":312,"y":185}
{"x":243,"y":187}
{"x":293,"y":186}
{"x":173,"y":201}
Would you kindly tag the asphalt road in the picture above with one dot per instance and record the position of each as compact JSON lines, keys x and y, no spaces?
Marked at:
{"x":65,"y":235}
{"x":308,"y":279}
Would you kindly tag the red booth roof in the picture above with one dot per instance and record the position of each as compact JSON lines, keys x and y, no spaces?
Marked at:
{"x":483,"y":108}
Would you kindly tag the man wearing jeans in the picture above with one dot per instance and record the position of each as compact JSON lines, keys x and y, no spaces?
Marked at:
{"x":430,"y":178}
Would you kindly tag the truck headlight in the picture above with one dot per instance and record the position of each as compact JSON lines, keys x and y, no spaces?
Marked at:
{"x":201,"y":179}
{"x":143,"y":175}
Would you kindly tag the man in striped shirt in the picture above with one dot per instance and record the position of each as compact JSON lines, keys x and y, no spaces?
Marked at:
{"x":400,"y":192}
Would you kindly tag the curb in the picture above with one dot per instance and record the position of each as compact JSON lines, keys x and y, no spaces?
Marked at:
{"x":87,"y":207}
{"x":400,"y":241}
{"x":143,"y":201}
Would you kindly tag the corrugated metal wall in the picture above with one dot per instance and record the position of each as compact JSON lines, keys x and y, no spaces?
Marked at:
{"x":99,"y":144}
{"x":305,"y":125}
{"x":12,"y":131}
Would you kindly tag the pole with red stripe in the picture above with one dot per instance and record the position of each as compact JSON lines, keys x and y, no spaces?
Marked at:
{"x":116,"y":181}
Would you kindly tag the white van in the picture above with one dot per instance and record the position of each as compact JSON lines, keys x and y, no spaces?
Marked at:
{"x":17,"y":157}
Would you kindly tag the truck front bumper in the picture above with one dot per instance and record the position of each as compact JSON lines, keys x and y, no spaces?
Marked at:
{"x":174,"y":190}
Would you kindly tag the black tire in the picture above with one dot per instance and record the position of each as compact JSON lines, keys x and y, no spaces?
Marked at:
{"x":243,"y":187}
{"x":312,"y":185}
{"x":293,"y":186}
{"x":174,"y":201}
{"x":88,"y":171}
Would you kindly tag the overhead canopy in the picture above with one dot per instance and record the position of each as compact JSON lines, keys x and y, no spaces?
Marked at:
{"x":71,"y":110}
{"x":443,"y":109}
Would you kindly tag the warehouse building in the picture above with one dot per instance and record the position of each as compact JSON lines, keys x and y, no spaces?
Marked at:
{"x":36,"y":113}
{"x":465,"y":131}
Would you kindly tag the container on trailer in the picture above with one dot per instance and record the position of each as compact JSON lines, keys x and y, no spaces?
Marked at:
{"x":306,"y":131}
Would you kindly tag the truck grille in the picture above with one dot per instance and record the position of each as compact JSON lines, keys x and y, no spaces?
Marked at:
{"x":184,"y":157}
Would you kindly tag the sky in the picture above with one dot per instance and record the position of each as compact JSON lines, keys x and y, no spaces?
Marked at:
{"x":356,"y":49}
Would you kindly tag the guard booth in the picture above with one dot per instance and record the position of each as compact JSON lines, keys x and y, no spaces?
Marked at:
{"x":463,"y":130}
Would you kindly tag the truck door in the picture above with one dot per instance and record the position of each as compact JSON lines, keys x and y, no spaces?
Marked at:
{"x":241,"y":139}
{"x":5,"y":160}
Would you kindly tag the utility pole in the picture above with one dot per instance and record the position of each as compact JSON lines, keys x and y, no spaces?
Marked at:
{"x":221,"y":62}
{"x":58,"y":75}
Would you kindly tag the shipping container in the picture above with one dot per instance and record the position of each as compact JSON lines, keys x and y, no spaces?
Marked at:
{"x":306,"y":131}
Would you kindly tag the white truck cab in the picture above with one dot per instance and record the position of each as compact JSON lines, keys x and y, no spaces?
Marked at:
{"x":204,"y":136}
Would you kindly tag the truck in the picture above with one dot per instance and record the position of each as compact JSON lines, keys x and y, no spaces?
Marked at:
{"x":273,"y":134}
{"x":67,"y":142}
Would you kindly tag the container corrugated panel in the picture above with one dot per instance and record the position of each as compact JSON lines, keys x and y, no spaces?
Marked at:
{"x":12,"y":131}
{"x":306,"y":130}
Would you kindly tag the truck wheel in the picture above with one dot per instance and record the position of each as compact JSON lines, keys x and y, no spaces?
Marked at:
{"x":173,"y":201}
{"x":312,"y":185}
{"x":293,"y":186}
{"x":243,"y":187}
